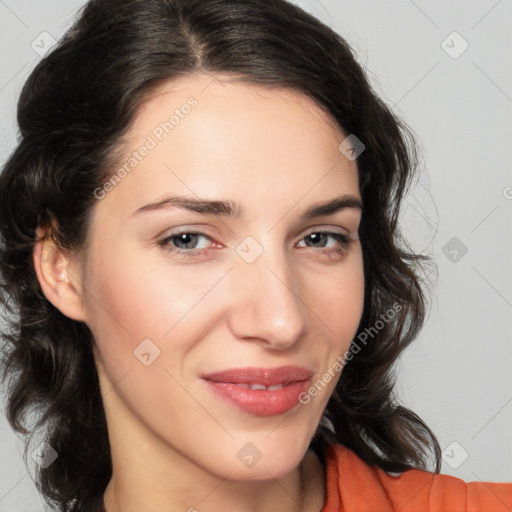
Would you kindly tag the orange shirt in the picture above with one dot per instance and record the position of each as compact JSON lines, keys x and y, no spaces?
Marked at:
{"x":354,"y":486}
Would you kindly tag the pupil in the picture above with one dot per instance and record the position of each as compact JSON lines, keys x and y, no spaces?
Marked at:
{"x":185,"y":238}
{"x":316,"y":237}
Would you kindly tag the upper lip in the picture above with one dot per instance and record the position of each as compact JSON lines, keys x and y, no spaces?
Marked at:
{"x":267,"y":376}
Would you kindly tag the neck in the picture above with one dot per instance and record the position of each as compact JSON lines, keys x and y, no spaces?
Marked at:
{"x":139,"y":487}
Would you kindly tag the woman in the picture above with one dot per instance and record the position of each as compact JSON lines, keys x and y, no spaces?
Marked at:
{"x":200,"y":241}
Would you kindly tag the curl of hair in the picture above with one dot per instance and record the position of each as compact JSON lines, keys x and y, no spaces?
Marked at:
{"x":73,"y":111}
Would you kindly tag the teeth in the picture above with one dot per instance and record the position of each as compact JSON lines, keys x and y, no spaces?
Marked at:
{"x":257,"y":386}
{"x":260,"y":387}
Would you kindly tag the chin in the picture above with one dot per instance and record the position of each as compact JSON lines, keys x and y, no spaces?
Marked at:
{"x":272,"y":468}
{"x":260,"y":456}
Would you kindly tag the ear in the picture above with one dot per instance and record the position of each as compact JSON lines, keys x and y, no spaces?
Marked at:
{"x":58,"y":275}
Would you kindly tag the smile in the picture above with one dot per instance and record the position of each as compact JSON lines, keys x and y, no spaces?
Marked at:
{"x":260,"y":391}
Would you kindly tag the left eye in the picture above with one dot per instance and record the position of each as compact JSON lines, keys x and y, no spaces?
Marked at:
{"x":321,"y":236}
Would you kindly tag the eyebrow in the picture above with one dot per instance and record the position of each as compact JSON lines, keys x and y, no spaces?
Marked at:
{"x":231,"y":209}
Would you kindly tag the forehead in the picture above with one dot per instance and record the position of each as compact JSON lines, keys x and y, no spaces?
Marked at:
{"x":219,"y":136}
{"x":230,"y":92}
{"x":228,"y":115}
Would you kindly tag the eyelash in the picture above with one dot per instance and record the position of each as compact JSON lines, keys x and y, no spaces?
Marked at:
{"x":341,"y":238}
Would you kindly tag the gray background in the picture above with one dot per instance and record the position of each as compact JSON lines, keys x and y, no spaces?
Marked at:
{"x":457,"y":376}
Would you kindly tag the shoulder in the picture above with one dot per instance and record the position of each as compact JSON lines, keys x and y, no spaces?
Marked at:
{"x":352,"y":485}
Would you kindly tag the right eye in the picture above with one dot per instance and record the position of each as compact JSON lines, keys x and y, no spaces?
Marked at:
{"x":183,"y":242}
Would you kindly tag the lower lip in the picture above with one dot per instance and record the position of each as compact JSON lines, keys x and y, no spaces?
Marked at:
{"x":260,"y":402}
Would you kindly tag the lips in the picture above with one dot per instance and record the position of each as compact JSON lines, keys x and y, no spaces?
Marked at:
{"x":260,"y":391}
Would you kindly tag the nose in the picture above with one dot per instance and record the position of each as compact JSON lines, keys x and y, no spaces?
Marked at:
{"x":266,"y":302}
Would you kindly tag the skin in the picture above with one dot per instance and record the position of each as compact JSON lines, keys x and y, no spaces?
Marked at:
{"x":174,"y":444}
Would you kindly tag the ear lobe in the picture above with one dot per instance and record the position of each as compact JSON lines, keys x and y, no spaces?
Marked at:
{"x":57,"y":277}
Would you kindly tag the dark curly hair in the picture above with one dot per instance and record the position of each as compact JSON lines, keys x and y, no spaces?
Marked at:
{"x":72,"y":113}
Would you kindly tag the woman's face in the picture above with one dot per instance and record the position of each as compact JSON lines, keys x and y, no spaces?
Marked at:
{"x":191,"y":306}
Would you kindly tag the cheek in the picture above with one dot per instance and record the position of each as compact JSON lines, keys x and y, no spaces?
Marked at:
{"x":338,"y":311}
{"x":138,"y":311}
{"x":337,"y":300}
{"x":124,"y":307}
{"x":338,"y":306}
{"x":135,"y":293}
{"x":139,"y":296}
